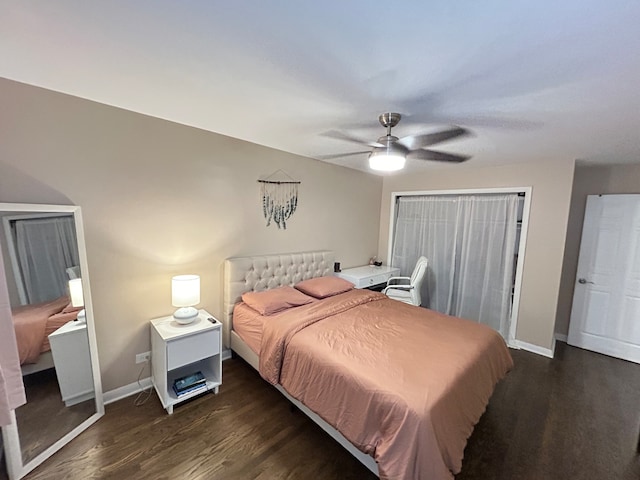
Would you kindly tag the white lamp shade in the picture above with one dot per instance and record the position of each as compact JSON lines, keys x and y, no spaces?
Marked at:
{"x":75,"y":292}
{"x":185,"y":290}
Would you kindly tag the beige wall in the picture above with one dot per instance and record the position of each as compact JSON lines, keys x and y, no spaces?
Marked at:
{"x":160,"y":199}
{"x":551,"y":193}
{"x":588,"y":181}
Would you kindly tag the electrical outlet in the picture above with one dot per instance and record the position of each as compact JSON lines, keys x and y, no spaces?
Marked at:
{"x":143,"y":357}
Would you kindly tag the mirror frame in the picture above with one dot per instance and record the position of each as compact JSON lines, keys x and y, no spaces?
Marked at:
{"x":16,"y":468}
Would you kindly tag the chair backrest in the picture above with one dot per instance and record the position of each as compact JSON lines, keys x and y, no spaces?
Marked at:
{"x":73,"y":272}
{"x":416,"y":280}
{"x":419,"y":270}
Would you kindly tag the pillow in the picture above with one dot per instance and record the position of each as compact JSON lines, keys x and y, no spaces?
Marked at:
{"x":273,"y":301}
{"x":323,"y":287}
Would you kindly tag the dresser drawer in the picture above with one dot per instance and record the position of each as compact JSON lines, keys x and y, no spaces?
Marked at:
{"x":183,"y":351}
{"x":378,"y":279}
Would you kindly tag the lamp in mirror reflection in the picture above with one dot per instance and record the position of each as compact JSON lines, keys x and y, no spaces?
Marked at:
{"x":185,"y":294}
{"x":77,"y":297}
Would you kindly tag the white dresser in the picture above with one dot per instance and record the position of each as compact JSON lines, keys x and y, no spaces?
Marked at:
{"x":369,"y":276}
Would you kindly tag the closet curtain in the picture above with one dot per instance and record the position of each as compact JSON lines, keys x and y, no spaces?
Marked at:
{"x":46,"y":247}
{"x":470,"y":241}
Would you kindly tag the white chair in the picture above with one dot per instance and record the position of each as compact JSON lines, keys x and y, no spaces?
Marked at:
{"x":408,"y":288}
{"x":73,"y":272}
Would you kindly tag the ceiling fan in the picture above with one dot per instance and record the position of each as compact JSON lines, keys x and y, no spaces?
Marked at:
{"x":389,"y":153}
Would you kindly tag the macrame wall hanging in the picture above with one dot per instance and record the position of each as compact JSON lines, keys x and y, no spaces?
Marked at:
{"x":279,"y":198}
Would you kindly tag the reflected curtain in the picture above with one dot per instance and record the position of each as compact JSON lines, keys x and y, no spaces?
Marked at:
{"x":46,"y":247}
{"x":470,"y":241}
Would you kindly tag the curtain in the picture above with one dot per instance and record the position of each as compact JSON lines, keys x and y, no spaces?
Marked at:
{"x":470,"y":241}
{"x":45,"y":248}
{"x":428,"y":226}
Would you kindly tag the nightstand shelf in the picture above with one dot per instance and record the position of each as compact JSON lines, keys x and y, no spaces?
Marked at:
{"x":180,"y":350}
{"x":209,"y":372}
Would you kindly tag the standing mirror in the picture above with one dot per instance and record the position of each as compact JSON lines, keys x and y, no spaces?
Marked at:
{"x":47,"y":278}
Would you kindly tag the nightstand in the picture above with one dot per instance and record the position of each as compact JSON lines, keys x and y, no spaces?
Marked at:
{"x":181,"y":350}
{"x":70,"y":351}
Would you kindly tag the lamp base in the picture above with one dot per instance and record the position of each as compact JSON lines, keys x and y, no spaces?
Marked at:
{"x":185,"y":315}
{"x":82,"y":316}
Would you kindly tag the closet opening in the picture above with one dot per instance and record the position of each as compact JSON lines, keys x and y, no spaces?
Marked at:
{"x":475,"y":242}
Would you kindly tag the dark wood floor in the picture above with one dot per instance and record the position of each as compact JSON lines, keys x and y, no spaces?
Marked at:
{"x":574,"y":417}
{"x":45,"y":407}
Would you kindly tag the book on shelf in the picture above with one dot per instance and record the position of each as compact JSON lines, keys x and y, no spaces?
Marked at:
{"x":192,"y":389}
{"x":188,"y":381}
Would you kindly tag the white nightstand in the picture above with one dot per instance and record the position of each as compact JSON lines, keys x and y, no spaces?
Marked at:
{"x":180,"y":350}
{"x":70,"y":350}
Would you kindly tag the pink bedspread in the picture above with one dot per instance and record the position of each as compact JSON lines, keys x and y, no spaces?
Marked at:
{"x":402,"y":383}
{"x":33,"y":324}
{"x":247,"y":323}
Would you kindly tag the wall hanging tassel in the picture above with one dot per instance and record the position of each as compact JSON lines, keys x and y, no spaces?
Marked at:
{"x":279,"y":199}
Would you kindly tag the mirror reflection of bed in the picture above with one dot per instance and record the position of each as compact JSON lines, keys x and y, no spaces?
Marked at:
{"x":40,"y":257}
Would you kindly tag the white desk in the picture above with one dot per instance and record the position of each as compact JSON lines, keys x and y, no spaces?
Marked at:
{"x":369,"y":276}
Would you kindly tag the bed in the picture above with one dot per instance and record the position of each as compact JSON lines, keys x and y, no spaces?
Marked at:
{"x":401,"y":387}
{"x":33,"y":324}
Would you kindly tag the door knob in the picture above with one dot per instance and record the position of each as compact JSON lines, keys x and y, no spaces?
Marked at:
{"x":584,"y":280}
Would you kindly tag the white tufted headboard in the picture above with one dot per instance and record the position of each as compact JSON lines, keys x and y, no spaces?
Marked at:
{"x":248,"y":274}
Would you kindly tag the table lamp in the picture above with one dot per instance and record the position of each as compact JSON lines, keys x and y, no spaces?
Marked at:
{"x":77,"y":298}
{"x":185,"y":293}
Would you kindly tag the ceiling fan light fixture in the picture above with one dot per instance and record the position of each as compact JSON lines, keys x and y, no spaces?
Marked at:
{"x":390,"y":152}
{"x":386,"y":161}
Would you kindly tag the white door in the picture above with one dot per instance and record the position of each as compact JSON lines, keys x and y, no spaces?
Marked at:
{"x":605,"y":316}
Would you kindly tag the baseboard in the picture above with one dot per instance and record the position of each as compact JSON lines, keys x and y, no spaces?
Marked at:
{"x":561,"y":337}
{"x":133,"y":388}
{"x":126,"y":391}
{"x":530,"y":347}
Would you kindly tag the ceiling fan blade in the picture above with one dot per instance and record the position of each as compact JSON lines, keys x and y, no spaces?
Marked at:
{"x":341,"y":155}
{"x":349,"y":138}
{"x":414,"y":142}
{"x":437,"y":156}
{"x":488,"y":121}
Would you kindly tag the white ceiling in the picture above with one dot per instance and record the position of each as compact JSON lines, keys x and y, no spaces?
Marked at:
{"x":534,"y":80}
